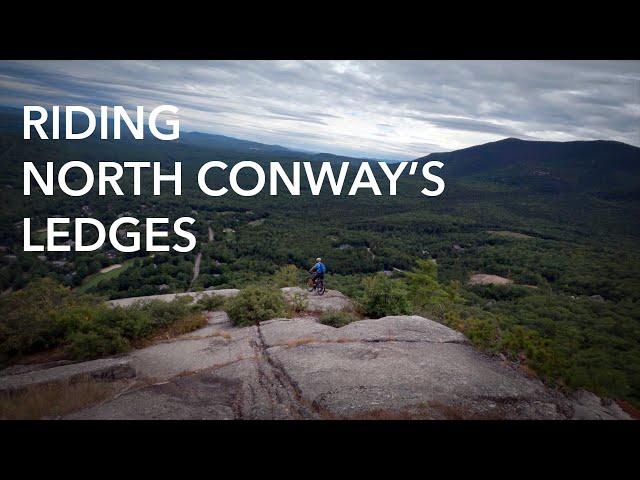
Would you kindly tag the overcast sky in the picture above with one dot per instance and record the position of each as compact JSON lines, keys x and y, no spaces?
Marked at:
{"x":382,"y":109}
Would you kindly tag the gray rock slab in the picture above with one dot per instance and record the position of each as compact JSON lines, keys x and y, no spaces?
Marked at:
{"x":249,"y":389}
{"x":442,"y":379}
{"x":187,"y":398}
{"x":405,"y":328}
{"x":102,"y":369}
{"x":217,"y":322}
{"x":331,"y":300}
{"x":218,"y":318}
{"x":588,"y":406}
{"x":265,"y":392}
{"x":284,"y":331}
{"x":165,"y":360}
{"x":169,"y":297}
{"x":26,"y":368}
{"x":400,"y":328}
{"x":393,"y":367}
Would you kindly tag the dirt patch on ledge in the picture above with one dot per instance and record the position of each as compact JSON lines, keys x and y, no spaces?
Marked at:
{"x":486,"y":279}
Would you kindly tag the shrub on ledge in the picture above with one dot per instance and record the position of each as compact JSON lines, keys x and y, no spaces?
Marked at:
{"x":336,"y":318}
{"x":255,"y":304}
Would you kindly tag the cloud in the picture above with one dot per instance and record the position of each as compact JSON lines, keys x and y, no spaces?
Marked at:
{"x":383,"y":109}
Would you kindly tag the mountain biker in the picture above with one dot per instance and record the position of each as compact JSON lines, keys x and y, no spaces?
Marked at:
{"x":318,"y":270}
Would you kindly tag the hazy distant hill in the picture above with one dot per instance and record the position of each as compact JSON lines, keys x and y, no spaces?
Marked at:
{"x":11,"y":122}
{"x":227,"y":143}
{"x":604,"y":167}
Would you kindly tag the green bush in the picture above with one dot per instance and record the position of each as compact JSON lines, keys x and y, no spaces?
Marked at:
{"x":96,"y":343}
{"x":337,"y":318}
{"x":27,"y":317}
{"x":165,"y":313}
{"x":483,"y":333}
{"x":299,"y":302}
{"x":46,"y":315}
{"x":210,"y":302}
{"x":132,"y":323}
{"x":425,"y":292}
{"x":502,"y":293}
{"x":77,"y":318}
{"x":383,"y":296}
{"x":187,"y":324}
{"x":255,"y":304}
{"x":537,"y":352}
{"x":287,"y":276}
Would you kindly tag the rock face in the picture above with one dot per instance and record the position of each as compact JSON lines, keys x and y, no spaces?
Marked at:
{"x":168,"y":297}
{"x":392,"y":367}
{"x":587,"y":406}
{"x":400,"y":367}
{"x":331,"y":300}
{"x":102,"y":369}
{"x":396,"y":367}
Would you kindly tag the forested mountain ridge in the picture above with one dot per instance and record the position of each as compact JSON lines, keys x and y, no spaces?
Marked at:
{"x":603,"y":167}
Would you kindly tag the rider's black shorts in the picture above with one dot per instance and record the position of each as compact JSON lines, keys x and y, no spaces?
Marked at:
{"x":317,"y":276}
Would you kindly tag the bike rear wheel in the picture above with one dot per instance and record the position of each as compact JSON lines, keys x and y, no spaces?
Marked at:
{"x":320,"y":287}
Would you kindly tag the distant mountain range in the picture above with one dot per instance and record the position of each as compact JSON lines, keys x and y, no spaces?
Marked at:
{"x":598,"y":166}
{"x":210,"y":140}
{"x":11,"y":121}
{"x":608,"y":168}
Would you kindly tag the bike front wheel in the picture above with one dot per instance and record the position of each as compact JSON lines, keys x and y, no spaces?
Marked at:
{"x":310,"y":286}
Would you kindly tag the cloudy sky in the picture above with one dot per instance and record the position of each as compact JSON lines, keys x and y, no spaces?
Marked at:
{"x":382,"y":109}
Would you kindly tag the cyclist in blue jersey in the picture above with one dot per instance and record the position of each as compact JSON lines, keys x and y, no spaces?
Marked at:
{"x":318,"y":270}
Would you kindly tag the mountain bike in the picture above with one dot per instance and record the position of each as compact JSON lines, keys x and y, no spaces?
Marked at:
{"x":317,"y":285}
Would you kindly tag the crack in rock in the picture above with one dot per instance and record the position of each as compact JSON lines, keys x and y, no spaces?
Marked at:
{"x":295,"y":400}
